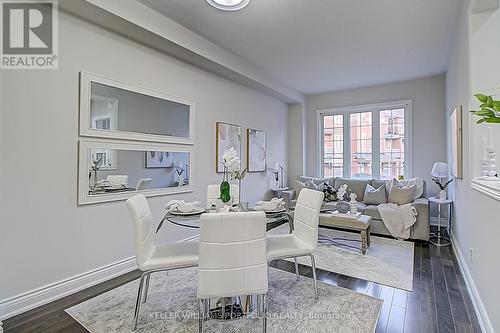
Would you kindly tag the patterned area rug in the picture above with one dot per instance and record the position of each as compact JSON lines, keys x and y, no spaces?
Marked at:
{"x":171,"y":307}
{"x":387,"y":261}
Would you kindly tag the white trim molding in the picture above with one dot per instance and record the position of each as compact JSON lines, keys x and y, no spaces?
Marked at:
{"x":407,"y":104}
{"x":487,"y":187}
{"x":481,"y":314}
{"x":29,"y":300}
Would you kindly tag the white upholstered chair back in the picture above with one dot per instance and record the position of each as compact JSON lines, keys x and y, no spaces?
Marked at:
{"x":213,"y":193}
{"x":143,"y":183}
{"x":233,"y":258}
{"x":306,"y":216}
{"x":140,"y":212}
{"x":117,"y":180}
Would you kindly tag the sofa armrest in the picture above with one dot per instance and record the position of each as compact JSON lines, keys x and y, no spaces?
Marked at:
{"x":421,"y":229}
{"x":288,"y":195}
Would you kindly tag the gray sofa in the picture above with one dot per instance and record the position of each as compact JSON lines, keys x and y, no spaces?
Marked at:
{"x":420,"y":230}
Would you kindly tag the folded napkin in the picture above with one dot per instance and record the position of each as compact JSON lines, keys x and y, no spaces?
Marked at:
{"x":172,"y":205}
{"x":275,"y":202}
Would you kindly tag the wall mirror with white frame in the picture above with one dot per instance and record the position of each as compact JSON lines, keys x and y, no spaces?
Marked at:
{"x":112,"y":170}
{"x":114,"y":109}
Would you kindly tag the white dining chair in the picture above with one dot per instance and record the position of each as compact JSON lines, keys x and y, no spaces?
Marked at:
{"x":303,"y":240}
{"x":213,"y":194}
{"x":143,"y":183}
{"x":117,"y":180}
{"x":153,"y":258}
{"x":233,"y":260}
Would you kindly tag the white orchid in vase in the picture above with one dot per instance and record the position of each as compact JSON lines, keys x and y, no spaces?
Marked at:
{"x":231,"y":163}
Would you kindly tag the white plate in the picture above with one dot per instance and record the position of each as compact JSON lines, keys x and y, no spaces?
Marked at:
{"x":274,"y":211}
{"x":195,"y":211}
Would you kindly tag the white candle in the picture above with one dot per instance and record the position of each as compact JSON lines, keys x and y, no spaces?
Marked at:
{"x":490,"y":137}
{"x":485,"y":152}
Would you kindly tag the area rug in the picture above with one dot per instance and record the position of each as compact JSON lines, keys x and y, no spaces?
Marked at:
{"x":387,"y":261}
{"x":171,"y":307}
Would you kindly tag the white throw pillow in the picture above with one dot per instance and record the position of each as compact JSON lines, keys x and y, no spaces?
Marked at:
{"x":402,"y":194}
{"x":419,"y":185}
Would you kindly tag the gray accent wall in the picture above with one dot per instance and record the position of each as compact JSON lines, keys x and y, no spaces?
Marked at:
{"x":428,"y":123}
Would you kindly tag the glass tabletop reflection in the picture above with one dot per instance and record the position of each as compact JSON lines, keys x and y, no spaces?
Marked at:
{"x":274,"y":219}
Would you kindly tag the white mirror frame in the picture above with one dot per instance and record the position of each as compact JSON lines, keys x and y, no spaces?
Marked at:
{"x":84,"y":198}
{"x":86,"y":80}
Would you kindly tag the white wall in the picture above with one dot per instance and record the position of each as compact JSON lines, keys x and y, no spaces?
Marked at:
{"x":475,"y":223}
{"x":44,"y":236}
{"x":429,"y":136}
{"x":296,"y":131}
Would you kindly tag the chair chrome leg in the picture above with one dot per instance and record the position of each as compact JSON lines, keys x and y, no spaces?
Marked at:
{"x":146,"y":288}
{"x":201,"y":314}
{"x":296,"y":268}
{"x":138,"y":301}
{"x":264,"y":316}
{"x":259,"y":306}
{"x":313,"y":265}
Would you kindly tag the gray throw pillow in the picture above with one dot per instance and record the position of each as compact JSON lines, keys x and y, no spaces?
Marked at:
{"x":310,"y":184}
{"x":374,"y":196}
{"x":401,"y":194}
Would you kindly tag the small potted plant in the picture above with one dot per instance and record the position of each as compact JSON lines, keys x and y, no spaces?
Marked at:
{"x":489,"y":109}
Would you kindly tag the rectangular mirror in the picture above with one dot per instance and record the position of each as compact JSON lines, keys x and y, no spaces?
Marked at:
{"x":115,"y":109}
{"x":110,"y":171}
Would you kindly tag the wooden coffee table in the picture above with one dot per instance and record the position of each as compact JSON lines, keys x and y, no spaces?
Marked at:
{"x":360,"y":224}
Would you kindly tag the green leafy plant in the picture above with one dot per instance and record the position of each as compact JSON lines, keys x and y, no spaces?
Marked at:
{"x":490,"y":109}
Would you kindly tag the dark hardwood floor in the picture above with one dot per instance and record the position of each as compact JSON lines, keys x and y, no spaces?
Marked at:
{"x":439,"y":301}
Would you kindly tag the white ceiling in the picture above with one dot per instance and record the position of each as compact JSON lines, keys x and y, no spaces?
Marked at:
{"x":325,"y":45}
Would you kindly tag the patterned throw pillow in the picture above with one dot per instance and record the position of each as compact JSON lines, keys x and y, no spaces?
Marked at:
{"x":329,"y":192}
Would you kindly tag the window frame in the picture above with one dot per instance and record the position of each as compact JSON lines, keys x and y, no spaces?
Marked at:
{"x":375,"y":109}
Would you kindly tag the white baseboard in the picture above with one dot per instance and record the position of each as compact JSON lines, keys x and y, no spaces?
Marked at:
{"x":46,"y":294}
{"x":482,"y":315}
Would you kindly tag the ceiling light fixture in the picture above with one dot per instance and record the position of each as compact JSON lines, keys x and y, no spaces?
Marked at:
{"x":229,"y":5}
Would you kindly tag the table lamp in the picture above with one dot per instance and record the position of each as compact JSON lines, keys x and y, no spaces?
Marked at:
{"x":441,"y":173}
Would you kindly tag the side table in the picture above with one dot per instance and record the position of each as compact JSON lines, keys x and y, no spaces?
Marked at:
{"x":438,"y":238}
{"x":279,"y":191}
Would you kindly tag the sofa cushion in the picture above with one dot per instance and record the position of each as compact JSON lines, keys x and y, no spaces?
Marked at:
{"x":375,"y":196}
{"x":355,"y":185}
{"x":372,"y":210}
{"x":317,"y":181}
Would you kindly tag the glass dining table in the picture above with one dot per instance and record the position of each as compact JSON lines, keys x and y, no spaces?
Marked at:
{"x":230,"y":308}
{"x":273,"y":219}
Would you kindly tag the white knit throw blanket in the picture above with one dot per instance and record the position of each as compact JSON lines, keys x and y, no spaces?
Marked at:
{"x":398,"y":219}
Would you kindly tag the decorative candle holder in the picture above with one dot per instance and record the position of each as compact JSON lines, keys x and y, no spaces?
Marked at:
{"x":353,"y":203}
{"x":488,"y":171}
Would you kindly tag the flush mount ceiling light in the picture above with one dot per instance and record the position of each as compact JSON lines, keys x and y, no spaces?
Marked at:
{"x":229,"y":5}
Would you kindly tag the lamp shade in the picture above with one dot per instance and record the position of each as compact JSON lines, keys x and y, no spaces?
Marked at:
{"x":440,"y":170}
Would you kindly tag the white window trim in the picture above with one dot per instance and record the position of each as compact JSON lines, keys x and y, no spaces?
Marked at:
{"x":346,"y":111}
